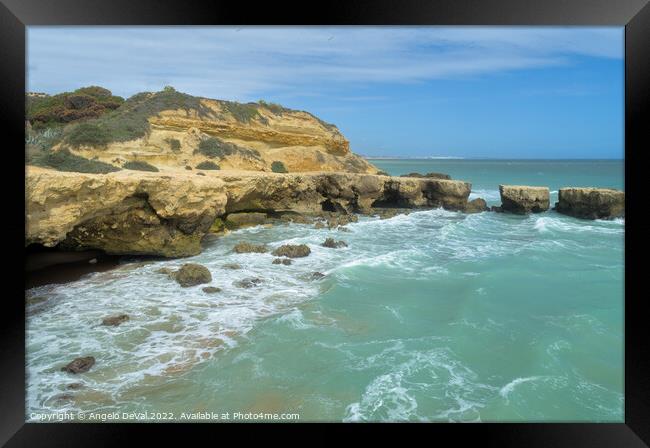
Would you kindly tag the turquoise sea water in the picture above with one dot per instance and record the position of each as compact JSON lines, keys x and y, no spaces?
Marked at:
{"x":431,"y":316}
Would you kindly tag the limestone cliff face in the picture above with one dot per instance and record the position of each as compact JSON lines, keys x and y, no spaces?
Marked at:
{"x":255,"y":135}
{"x":158,"y":214}
{"x":521,"y":199}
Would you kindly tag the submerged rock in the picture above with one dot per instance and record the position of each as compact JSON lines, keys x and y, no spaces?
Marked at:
{"x":591,"y":203}
{"x":116,"y":320}
{"x":476,"y":206}
{"x":331,"y":243}
{"x":79,"y":365}
{"x":245,"y":247}
{"x":74,"y":386}
{"x":211,"y":290}
{"x":284,"y":261}
{"x":248,"y":282}
{"x":192,"y":274}
{"x":317,"y":275}
{"x":292,"y":251}
{"x":521,"y":199}
{"x":233,"y":266}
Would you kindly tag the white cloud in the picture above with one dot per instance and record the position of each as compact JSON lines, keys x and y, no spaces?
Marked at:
{"x":244,"y":63}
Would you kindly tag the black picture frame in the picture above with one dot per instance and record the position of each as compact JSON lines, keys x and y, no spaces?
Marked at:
{"x":15,"y":15}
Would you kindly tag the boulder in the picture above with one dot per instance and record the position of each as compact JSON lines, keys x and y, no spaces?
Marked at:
{"x":211,"y":290}
{"x":521,"y":199}
{"x":192,"y":274}
{"x":244,"y":248}
{"x":333,"y":244}
{"x":284,"y":261}
{"x":116,"y":320}
{"x":476,"y":206}
{"x":591,"y":203}
{"x":292,"y":251}
{"x":79,"y":365}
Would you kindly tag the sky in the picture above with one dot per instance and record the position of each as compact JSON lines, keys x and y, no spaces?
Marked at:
{"x":495,"y":92}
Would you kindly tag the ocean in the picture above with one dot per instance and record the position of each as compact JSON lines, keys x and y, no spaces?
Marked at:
{"x":430,"y":316}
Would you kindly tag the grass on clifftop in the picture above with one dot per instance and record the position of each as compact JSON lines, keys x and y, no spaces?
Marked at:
{"x":64,"y":160}
{"x":139,"y":165}
{"x":45,"y":111}
{"x":130,"y":120}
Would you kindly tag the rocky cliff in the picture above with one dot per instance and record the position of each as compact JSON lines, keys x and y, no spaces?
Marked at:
{"x":172,"y":130}
{"x":129,"y":212}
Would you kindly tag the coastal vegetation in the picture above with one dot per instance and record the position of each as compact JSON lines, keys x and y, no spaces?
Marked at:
{"x":139,"y":165}
{"x":278,"y":167}
{"x":64,"y":160}
{"x":207,"y":165}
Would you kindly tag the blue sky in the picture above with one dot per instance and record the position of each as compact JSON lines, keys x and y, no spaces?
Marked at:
{"x":503,"y":92}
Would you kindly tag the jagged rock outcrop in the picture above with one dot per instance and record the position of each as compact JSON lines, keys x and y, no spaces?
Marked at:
{"x":147,"y":213}
{"x":522,"y":199}
{"x":591,"y":203}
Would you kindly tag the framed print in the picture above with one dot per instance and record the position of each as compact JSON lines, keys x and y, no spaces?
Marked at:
{"x":363,"y":213}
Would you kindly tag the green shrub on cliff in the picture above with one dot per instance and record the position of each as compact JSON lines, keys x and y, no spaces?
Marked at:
{"x":242,"y":112}
{"x":45,"y":111}
{"x":130,"y":120}
{"x":174,"y":144}
{"x":278,"y":167}
{"x":207,"y":165}
{"x":139,"y":165}
{"x":64,"y":160}
{"x":214,"y":147}
{"x":88,"y":134}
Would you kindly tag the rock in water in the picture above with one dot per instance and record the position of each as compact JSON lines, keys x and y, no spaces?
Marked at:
{"x":248,"y":282}
{"x":79,"y":365}
{"x":476,"y":206}
{"x":244,"y":247}
{"x":292,"y":251}
{"x":284,"y":261}
{"x":233,"y":266}
{"x":116,"y":320}
{"x":317,"y":275}
{"x":591,"y":203}
{"x":521,"y":199}
{"x":333,"y":244}
{"x":192,"y":274}
{"x":211,"y":289}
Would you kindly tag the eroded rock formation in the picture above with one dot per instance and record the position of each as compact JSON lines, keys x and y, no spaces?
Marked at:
{"x":591,"y":203}
{"x":522,"y":199}
{"x":157,"y":214}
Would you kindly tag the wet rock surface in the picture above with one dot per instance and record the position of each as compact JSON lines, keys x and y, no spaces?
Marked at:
{"x":211,"y":289}
{"x":284,"y":261}
{"x":245,"y":247}
{"x":292,"y":251}
{"x":250,"y":282}
{"x":477,"y":205}
{"x":79,"y":365}
{"x":192,"y":274}
{"x":333,"y":244}
{"x":116,"y":320}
